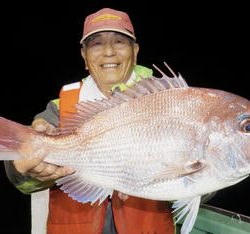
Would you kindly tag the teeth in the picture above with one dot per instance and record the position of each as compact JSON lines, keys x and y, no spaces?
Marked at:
{"x":109,"y":65}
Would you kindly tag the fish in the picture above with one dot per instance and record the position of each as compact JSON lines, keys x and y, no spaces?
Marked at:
{"x":160,"y":139}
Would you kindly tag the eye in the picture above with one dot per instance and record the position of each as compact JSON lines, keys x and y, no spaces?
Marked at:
{"x":120,"y":40}
{"x":245,"y":125}
{"x":95,"y":43}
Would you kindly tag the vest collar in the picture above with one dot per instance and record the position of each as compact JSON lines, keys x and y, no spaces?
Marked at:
{"x":90,"y":92}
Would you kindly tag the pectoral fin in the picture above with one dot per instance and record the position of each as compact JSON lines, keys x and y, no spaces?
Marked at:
{"x":174,"y":171}
{"x":187,"y":208}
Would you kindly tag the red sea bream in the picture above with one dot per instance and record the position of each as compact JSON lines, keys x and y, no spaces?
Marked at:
{"x":159,"y":139}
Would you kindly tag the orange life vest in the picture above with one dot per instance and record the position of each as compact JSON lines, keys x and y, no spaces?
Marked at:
{"x":134,"y":216}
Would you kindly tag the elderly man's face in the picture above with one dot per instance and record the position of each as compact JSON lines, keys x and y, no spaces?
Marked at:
{"x":110,"y":58}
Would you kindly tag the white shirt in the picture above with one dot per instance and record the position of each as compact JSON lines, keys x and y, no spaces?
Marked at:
{"x":90,"y":92}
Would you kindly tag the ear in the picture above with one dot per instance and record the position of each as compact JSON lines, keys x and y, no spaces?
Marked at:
{"x":136,"y":50}
{"x":83,"y":53}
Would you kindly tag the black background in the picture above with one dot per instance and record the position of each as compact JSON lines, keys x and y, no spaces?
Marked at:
{"x":206,"y":43}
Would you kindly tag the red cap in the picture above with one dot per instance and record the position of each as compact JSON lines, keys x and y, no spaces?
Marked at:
{"x":108,"y":19}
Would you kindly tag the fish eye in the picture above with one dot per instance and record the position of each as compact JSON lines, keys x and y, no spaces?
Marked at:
{"x":245,"y":125}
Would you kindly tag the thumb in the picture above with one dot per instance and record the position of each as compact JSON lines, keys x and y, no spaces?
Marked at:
{"x":41,"y":125}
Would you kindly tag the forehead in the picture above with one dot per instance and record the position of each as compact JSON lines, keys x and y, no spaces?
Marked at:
{"x":106,"y":34}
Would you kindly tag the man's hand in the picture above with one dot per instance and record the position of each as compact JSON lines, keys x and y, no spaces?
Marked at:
{"x":35,"y":167}
{"x":41,"y":125}
{"x":123,"y":196}
{"x":42,"y":171}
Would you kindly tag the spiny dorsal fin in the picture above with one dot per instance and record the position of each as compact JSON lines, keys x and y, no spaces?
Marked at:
{"x":146,"y":86}
{"x":176,"y":81}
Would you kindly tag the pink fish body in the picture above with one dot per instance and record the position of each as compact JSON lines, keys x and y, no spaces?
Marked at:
{"x":160,"y":140}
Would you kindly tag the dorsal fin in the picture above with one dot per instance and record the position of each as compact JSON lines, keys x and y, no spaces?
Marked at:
{"x":176,"y":81}
{"x":146,"y":86}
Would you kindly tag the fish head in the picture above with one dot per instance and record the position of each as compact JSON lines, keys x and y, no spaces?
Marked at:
{"x":228,"y":144}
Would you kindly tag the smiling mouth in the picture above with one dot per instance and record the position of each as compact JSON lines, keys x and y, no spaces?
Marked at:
{"x":110,"y":65}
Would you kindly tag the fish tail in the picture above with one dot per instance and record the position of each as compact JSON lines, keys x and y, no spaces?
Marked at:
{"x":12,"y":137}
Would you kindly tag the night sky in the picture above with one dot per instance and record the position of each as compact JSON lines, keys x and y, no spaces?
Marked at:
{"x":208,"y":44}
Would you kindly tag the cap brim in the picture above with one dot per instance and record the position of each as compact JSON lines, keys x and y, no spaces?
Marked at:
{"x":108,"y":29}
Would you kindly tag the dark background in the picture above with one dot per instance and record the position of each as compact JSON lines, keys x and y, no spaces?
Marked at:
{"x":206,"y":43}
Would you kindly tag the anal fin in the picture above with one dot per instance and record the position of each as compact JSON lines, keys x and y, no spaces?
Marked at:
{"x":187,"y":209}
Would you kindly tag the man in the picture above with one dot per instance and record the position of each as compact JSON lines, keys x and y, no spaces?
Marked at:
{"x":109,"y":50}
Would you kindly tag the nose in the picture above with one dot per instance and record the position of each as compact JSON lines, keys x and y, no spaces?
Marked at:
{"x":109,"y":49}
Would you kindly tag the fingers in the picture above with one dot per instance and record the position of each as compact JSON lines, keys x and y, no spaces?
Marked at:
{"x":123,"y":196}
{"x":45,"y":171}
{"x":41,"y":170}
{"x":25,"y":165}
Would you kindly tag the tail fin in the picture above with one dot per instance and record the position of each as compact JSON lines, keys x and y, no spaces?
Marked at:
{"x":12,"y":136}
